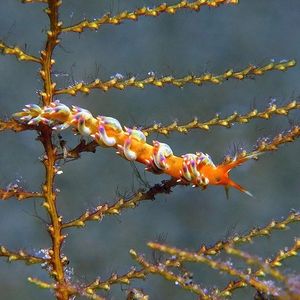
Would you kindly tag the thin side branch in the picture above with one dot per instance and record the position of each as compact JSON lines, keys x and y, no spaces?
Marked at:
{"x":20,"y":54}
{"x":121,"y":84}
{"x":41,"y":284}
{"x":92,"y":296}
{"x":274,"y":262}
{"x":21,"y":256}
{"x":284,"y":254}
{"x":116,"y":208}
{"x":18,"y":193}
{"x":185,"y":256}
{"x":71,"y":290}
{"x":228,"y":121}
{"x":74,"y":153}
{"x":114,"y":279}
{"x":267,"y":145}
{"x":248,"y":237}
{"x":145,"y":11}
{"x":34,"y":1}
{"x":161,"y":269}
{"x":253,"y":260}
{"x":289,"y":136}
{"x":14,"y":125}
{"x":268,"y":266}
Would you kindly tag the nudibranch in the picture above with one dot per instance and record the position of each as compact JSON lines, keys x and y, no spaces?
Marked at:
{"x":196,"y":169}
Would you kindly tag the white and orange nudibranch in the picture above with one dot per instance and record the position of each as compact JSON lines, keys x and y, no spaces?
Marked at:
{"x":197,"y":169}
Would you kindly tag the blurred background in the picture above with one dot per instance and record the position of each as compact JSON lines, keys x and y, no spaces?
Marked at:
{"x":211,"y":40}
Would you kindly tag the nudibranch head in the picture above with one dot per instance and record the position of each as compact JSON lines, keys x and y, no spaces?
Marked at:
{"x":219,"y":175}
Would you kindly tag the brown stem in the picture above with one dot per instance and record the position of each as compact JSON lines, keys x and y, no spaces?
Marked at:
{"x":56,"y":260}
{"x":46,"y":54}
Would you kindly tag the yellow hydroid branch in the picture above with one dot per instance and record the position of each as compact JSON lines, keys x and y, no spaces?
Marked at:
{"x":145,"y":11}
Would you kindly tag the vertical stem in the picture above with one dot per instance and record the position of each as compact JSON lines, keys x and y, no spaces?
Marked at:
{"x":46,"y":54}
{"x":57,"y":263}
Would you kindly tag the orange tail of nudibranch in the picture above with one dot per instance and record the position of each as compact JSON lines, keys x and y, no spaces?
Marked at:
{"x":196,"y":169}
